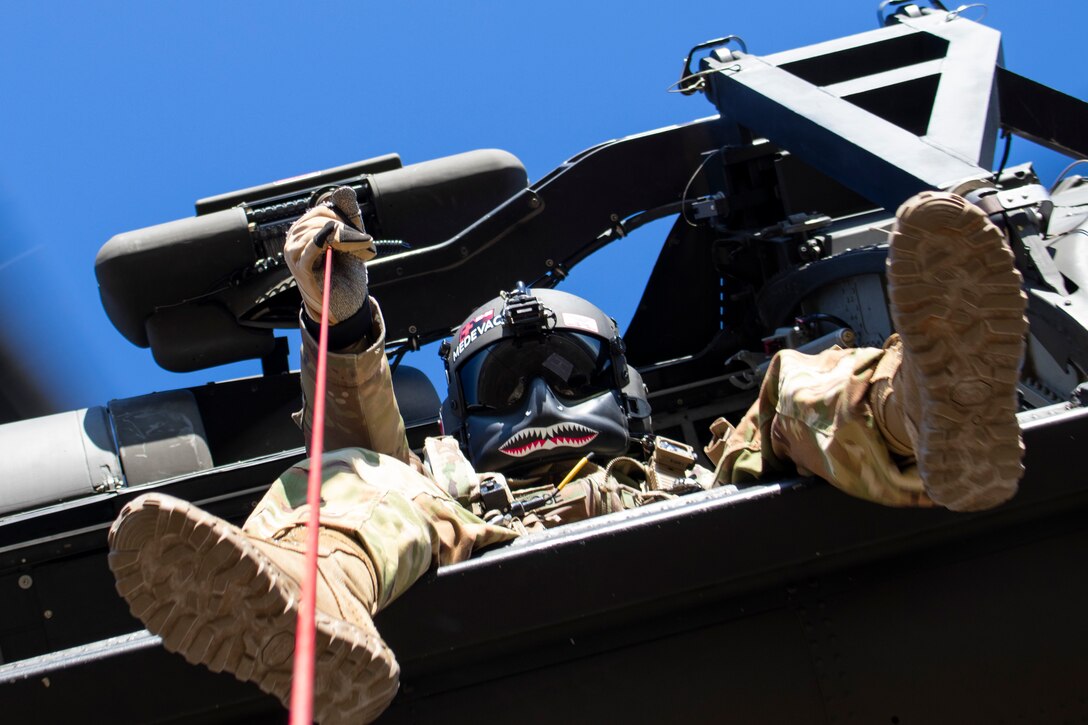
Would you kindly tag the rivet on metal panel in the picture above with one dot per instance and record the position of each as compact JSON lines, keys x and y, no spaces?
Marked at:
{"x":109,"y":482}
{"x":25,"y":581}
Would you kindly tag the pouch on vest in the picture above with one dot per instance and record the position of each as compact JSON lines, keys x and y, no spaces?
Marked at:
{"x":720,"y":429}
{"x":450,"y":469}
{"x":670,"y":467}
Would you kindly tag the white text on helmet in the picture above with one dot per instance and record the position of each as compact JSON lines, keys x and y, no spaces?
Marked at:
{"x":468,"y":338}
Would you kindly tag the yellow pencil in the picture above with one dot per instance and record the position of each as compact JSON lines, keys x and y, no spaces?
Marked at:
{"x":573,"y":472}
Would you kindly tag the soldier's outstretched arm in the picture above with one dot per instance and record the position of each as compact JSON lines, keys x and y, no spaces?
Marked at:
{"x":360,"y":407}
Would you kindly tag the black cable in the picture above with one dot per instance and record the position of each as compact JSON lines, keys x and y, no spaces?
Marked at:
{"x":635,"y":221}
{"x":824,"y":317}
{"x":414,"y":343}
{"x":559,"y":272}
{"x":1004,"y":156}
{"x":398,"y":356}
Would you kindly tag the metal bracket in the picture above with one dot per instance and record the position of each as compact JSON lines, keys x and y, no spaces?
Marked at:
{"x":886,"y":113}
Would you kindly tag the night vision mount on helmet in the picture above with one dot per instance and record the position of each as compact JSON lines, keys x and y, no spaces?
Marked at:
{"x":538,"y":376}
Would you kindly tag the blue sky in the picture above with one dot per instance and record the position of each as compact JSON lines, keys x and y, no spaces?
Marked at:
{"x":119,"y":115}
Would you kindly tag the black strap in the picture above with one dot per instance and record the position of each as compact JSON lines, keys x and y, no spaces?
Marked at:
{"x":346,"y":333}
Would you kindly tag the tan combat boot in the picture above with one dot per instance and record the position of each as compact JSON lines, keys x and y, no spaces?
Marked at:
{"x":229,"y":601}
{"x":957,"y":302}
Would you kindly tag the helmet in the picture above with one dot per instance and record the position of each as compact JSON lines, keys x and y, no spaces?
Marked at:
{"x":538,"y":376}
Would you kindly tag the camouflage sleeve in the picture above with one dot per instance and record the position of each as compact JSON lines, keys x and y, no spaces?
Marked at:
{"x":360,"y":409}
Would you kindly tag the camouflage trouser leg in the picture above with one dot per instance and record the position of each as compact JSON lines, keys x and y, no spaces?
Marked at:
{"x":817,"y":414}
{"x":401,"y":518}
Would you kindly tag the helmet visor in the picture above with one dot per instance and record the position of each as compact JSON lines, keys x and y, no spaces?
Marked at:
{"x":574,"y":366}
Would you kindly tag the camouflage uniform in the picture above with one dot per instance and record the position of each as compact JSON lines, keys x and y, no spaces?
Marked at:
{"x":408,"y":515}
{"x":823,"y":416}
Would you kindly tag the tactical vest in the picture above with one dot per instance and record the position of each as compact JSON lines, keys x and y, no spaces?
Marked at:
{"x":624,"y":483}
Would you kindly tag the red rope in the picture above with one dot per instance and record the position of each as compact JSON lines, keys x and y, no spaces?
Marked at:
{"x":302,"y":684}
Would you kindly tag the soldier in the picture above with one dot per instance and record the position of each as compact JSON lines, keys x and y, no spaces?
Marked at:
{"x":536,"y":382}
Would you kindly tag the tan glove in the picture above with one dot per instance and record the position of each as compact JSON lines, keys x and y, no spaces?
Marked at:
{"x":337,"y":222}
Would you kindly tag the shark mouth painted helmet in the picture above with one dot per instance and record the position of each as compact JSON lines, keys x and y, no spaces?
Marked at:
{"x":540,"y":377}
{"x":559,"y":435}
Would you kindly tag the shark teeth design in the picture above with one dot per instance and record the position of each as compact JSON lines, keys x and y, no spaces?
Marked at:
{"x":560,"y":435}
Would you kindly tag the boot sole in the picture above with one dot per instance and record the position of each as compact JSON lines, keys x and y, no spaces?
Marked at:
{"x":214,"y":598}
{"x":958,"y":306}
